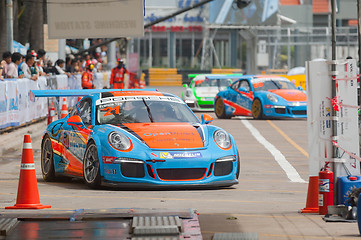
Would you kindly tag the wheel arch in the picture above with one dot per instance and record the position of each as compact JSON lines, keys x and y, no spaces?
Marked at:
{"x":97,"y":142}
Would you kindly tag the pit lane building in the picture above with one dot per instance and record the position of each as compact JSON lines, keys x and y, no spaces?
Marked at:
{"x":267,"y":34}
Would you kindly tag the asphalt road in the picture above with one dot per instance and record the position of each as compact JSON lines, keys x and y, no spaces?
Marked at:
{"x":266,"y":201}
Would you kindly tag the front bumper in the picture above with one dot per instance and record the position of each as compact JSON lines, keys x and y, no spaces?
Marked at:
{"x":174,"y":168}
{"x":148,"y":186}
{"x":286,"y":111}
{"x":200,"y":105}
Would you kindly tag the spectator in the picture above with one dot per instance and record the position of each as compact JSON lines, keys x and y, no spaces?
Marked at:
{"x":4,"y":64}
{"x":26,"y":67}
{"x":73,"y":67}
{"x":42,"y":60}
{"x":13,"y":71}
{"x":20,"y":71}
{"x":59,"y":67}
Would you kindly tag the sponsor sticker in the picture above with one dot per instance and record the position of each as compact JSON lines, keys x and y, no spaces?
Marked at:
{"x":172,"y":155}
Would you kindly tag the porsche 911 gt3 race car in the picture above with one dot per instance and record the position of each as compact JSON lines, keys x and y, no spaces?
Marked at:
{"x":261,"y":96}
{"x":200,"y":93}
{"x":136,"y":138}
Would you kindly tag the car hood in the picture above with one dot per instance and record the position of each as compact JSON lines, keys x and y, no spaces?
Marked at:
{"x":291,"y":95}
{"x":167,"y":135}
{"x":207,"y":91}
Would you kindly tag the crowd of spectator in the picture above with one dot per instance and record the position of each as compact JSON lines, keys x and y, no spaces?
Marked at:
{"x":35,"y":64}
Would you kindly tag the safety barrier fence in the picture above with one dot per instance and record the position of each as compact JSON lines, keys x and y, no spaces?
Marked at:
{"x":18,"y":107}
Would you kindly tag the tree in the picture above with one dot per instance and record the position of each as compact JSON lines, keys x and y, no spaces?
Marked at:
{"x":28,"y":17}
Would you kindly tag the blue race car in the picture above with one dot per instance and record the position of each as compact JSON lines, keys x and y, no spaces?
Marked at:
{"x":136,"y":138}
{"x":261,"y":96}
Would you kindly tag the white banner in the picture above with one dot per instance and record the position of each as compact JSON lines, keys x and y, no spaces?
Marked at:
{"x":95,"y":19}
{"x":347,"y":124}
{"x":33,"y":106}
{"x":12,"y":103}
{"x":16,"y":105}
{"x":98,"y":80}
{"x":23,"y":89}
{"x":3,"y":106}
{"x":319,"y":116}
{"x":42,"y":84}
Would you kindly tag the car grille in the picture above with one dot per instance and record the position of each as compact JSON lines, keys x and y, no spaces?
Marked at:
{"x":191,"y":105}
{"x":280,"y":110}
{"x":223,"y":168}
{"x":181,"y":173}
{"x":206,"y":105}
{"x":299,"y":112}
{"x":134,"y":170}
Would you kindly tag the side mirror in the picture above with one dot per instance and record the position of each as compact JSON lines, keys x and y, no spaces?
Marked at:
{"x":243,"y":89}
{"x":185,"y":85}
{"x":206,"y":119}
{"x":75,"y":121}
{"x":300,"y":88}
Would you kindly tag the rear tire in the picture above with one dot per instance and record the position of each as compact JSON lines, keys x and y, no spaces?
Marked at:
{"x":220,"y":109}
{"x":47,"y":160}
{"x":91,"y":166}
{"x":257,"y":111}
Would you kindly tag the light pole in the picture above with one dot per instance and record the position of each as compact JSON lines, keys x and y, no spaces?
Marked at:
{"x":9,"y":23}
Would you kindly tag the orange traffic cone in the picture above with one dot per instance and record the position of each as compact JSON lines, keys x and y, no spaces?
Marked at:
{"x":312,"y":196}
{"x":64,"y":109}
{"x":51,"y":113}
{"x":28,"y":193}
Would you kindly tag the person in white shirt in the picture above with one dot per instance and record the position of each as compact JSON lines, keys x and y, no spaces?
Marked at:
{"x":12,"y":71}
{"x":25,"y":67}
{"x":4,"y":64}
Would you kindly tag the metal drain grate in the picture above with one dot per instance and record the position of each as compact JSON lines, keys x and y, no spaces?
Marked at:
{"x":156,"y":225}
{"x":7,"y":224}
{"x":235,"y":236}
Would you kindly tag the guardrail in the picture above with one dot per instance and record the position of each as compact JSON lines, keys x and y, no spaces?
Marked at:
{"x":16,"y":106}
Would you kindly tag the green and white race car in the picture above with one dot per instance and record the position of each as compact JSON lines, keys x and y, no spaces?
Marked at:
{"x":199,"y":94}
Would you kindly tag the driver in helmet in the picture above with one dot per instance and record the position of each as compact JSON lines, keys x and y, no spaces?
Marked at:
{"x":87,"y":78}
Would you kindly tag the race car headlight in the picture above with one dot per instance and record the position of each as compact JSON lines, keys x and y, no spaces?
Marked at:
{"x":222,"y":139}
{"x":272,"y":97}
{"x":119,"y":141}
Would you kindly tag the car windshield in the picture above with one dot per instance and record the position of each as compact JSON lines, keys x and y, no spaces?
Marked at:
{"x":221,"y":83}
{"x":272,"y":84}
{"x":143,"y":109}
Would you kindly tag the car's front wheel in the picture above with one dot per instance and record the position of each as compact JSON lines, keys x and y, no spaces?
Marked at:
{"x":220,"y":109}
{"x":47,"y":160}
{"x":91,"y":167}
{"x":257,"y":111}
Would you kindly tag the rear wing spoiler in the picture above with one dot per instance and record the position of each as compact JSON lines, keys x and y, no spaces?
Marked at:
{"x":77,"y":92}
{"x":57,"y":93}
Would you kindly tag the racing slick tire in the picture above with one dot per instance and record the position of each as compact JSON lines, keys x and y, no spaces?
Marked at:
{"x":91,"y":166}
{"x":220,"y":109}
{"x":47,"y":160}
{"x":257,"y":111}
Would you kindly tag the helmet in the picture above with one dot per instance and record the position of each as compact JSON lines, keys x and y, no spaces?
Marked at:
{"x":90,"y":66}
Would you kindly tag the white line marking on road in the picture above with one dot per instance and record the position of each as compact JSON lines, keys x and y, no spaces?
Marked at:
{"x":291,"y":172}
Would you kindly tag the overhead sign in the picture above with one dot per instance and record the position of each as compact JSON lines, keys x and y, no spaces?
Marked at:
{"x":95,"y":18}
{"x":257,"y":13}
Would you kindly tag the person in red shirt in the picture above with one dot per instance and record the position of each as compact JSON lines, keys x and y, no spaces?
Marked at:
{"x":87,"y":78}
{"x":117,"y":75}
